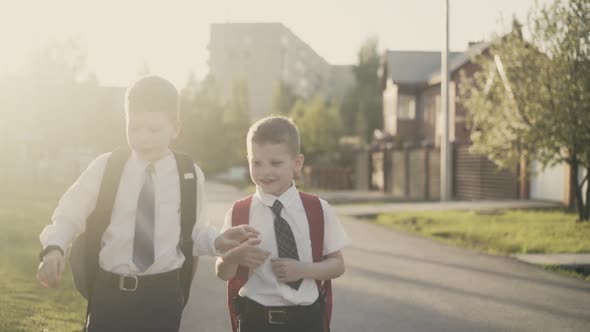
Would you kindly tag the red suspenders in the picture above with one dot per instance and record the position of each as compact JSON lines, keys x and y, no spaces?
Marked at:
{"x":240,"y":216}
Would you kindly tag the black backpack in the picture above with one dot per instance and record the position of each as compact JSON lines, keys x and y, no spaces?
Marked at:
{"x":85,"y":248}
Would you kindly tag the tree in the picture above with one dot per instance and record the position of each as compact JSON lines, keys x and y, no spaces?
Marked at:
{"x":58,"y":96}
{"x":319,"y":127}
{"x":51,"y":106}
{"x":59,"y":93}
{"x":202,"y":125}
{"x":283,"y":99}
{"x":236,"y":121}
{"x":214,"y":132}
{"x":365,"y":97}
{"x":531,"y":100}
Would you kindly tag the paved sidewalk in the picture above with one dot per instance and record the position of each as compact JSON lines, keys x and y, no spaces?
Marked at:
{"x":579,"y":263}
{"x":369,"y":209}
{"x":555,"y":259}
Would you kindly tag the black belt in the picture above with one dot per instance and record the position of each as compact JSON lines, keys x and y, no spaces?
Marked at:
{"x":131,"y":283}
{"x":249,"y":309}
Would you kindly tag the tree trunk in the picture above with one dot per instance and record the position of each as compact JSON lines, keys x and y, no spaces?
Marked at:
{"x":582,"y":210}
{"x":586,"y":200}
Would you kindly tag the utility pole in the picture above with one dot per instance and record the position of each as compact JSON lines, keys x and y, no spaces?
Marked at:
{"x":446,"y":148}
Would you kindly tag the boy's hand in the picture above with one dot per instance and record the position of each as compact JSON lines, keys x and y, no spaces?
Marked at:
{"x":51,"y":269}
{"x":247,"y":254}
{"x":232,"y":237}
{"x":287,"y":269}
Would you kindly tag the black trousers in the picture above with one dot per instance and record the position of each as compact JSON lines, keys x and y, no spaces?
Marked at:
{"x":155,"y":307}
{"x":253,"y":318}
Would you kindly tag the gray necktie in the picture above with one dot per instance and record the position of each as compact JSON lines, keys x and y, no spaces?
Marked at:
{"x":143,"y":243}
{"x":285,"y":239}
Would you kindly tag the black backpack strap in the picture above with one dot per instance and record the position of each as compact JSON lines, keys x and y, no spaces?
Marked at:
{"x":188,"y":216}
{"x":100,"y":218}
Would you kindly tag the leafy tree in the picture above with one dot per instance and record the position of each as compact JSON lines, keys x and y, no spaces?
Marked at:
{"x":52,"y":105}
{"x":236,"y":120}
{"x":531,"y":99}
{"x":214,"y":132}
{"x":365,"y":97}
{"x":59,"y":95}
{"x":319,"y":126}
{"x":283,"y":99}
{"x":202,"y":125}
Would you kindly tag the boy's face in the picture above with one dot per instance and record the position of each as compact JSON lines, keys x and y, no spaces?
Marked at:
{"x":150,"y":133}
{"x":272,"y":167}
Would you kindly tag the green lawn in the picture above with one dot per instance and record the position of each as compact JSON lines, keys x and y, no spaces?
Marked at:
{"x":25,"y":305}
{"x":500,"y":232}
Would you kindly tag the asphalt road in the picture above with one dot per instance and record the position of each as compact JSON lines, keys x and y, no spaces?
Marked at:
{"x":400,"y":282}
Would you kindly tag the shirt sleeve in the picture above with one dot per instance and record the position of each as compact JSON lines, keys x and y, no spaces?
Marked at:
{"x":204,"y":234}
{"x":74,"y":207}
{"x":227,"y":220}
{"x":335,"y":238}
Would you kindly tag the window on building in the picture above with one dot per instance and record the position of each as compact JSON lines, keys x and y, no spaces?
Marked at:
{"x":300,"y":66}
{"x":406,"y":107}
{"x":284,"y":40}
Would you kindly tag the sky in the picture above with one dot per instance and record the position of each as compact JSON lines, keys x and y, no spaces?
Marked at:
{"x":170,"y":37}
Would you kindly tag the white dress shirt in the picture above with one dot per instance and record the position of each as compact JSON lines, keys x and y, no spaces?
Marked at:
{"x":69,"y":218}
{"x":262,"y":286}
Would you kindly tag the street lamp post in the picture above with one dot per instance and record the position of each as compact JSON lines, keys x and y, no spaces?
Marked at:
{"x":445,"y":145}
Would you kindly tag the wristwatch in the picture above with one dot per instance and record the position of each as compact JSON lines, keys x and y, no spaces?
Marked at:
{"x":49,"y":248}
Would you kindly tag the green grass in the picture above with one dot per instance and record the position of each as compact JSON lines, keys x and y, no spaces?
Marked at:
{"x":502,"y":232}
{"x":24,"y":304}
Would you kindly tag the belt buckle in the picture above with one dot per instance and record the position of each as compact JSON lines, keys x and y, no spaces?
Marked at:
{"x":273,"y":320}
{"x":122,"y":283}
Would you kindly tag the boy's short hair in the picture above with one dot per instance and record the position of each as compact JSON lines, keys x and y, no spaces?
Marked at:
{"x":152,"y":94}
{"x":275,"y":130}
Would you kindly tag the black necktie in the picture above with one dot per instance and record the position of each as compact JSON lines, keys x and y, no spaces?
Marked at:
{"x":143,"y":243}
{"x":285,"y":239}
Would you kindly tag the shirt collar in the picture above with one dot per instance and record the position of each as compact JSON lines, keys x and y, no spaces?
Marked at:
{"x":142,"y":163}
{"x":286,"y":198}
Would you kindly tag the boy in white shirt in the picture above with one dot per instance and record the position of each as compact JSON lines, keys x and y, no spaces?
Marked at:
{"x":137,"y":283}
{"x":302,"y":234}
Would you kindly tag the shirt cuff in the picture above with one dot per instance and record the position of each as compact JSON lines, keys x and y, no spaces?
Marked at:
{"x":207,"y":248}
{"x":213,"y":251}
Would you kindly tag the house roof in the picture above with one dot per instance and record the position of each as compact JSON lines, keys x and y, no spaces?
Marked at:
{"x":412,"y":67}
{"x":459,"y":61}
{"x":423,"y":67}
